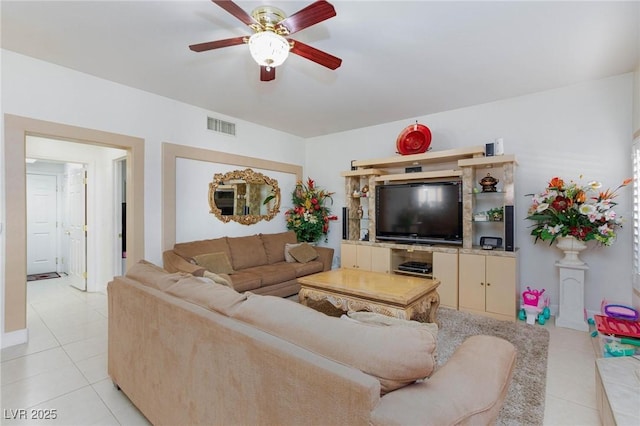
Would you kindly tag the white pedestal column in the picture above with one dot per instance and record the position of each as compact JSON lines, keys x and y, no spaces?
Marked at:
{"x":571,"y":290}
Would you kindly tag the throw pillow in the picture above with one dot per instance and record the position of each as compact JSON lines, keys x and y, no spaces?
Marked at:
{"x":218,"y":262}
{"x":287,"y":249}
{"x":303,"y":253}
{"x":223,"y":279}
{"x":396,"y":356}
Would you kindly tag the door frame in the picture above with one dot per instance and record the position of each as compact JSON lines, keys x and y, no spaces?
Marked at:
{"x":16,"y":129}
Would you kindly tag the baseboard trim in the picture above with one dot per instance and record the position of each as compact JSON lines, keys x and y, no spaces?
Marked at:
{"x":14,"y":338}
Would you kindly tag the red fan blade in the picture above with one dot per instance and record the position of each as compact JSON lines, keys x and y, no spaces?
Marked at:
{"x":267,"y":75}
{"x":310,"y":15}
{"x":210,"y":45}
{"x":236,"y":11}
{"x":315,"y":55}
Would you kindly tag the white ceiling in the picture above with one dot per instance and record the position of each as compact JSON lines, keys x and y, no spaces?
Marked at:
{"x":401,"y":60}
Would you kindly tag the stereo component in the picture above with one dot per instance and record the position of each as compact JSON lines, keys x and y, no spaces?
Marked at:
{"x":345,"y":223}
{"x":509,"y":228}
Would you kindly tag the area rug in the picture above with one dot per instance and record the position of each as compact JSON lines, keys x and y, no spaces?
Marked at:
{"x":524,"y":404}
{"x":37,"y":277}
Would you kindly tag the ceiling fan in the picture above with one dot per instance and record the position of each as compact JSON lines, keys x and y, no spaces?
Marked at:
{"x":270,"y":44}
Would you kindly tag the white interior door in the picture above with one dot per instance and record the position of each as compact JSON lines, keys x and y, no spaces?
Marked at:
{"x":77,"y":220}
{"x":41,"y":223}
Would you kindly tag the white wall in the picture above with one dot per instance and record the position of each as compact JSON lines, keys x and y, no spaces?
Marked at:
{"x":583,"y":129}
{"x":44,"y":91}
{"x":577,"y":130}
{"x":193,"y":220}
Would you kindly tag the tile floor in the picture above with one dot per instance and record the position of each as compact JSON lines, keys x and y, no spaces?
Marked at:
{"x":64,"y":366}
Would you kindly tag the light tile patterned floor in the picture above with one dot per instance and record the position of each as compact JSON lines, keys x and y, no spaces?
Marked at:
{"x":64,"y":366}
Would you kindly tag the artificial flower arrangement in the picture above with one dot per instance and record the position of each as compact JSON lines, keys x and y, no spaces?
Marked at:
{"x":309,"y":217}
{"x":583,"y":212}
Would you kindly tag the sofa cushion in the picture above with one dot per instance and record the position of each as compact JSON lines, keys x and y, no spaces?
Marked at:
{"x":200,"y":291}
{"x":303,"y":253}
{"x":154,"y":276}
{"x":191,"y":249}
{"x":274,"y":245}
{"x":396,"y":356}
{"x":218,"y":262}
{"x":287,"y":252}
{"x":304,"y":269}
{"x":469,"y":389}
{"x":245,"y":281}
{"x":273,"y":274}
{"x":387,"y":321}
{"x":247,"y":252}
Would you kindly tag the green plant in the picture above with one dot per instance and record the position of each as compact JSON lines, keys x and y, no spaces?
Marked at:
{"x":496,"y":214}
{"x":309,"y":217}
{"x":576,"y":210}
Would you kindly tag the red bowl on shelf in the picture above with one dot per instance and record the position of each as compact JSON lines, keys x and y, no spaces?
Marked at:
{"x":414,"y":139}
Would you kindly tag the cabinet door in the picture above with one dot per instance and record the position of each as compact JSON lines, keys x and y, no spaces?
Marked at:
{"x":501,"y":285}
{"x":381,"y":259}
{"x":445,"y":269}
{"x":348,"y":257}
{"x":363,"y":256}
{"x":472,"y":282}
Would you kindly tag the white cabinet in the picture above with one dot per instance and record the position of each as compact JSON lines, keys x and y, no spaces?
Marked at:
{"x":445,"y":269}
{"x":365,"y":257}
{"x":487,"y":285}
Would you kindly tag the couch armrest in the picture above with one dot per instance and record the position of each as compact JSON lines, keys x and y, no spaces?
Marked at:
{"x":325,"y":255}
{"x":469,"y":388}
{"x":174,"y":263}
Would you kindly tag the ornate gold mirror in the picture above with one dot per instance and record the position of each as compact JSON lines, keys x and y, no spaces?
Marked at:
{"x":244,"y":196}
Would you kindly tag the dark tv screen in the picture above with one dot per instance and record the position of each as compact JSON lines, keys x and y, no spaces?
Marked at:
{"x":429,"y":212}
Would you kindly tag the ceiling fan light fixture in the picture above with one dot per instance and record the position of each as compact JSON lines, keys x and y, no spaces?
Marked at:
{"x":268,"y":48}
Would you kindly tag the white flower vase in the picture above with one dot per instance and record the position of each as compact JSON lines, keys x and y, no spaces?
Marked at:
{"x":572,"y":248}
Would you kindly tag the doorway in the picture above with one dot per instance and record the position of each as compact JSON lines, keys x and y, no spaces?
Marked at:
{"x":16,"y":129}
{"x":56,"y":221}
{"x":86,"y":222}
{"x":42,"y":224}
{"x":120,"y":215}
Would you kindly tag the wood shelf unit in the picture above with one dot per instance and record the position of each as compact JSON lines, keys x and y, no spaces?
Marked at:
{"x":362,"y":172}
{"x":472,"y":279}
{"x":497,"y":160}
{"x":419,"y":175}
{"x":431,"y":157}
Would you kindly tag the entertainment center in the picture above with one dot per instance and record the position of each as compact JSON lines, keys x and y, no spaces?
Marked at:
{"x":433,"y":215}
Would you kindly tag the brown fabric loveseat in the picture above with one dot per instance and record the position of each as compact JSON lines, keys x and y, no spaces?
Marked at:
{"x":258,"y":262}
{"x":187,"y":351}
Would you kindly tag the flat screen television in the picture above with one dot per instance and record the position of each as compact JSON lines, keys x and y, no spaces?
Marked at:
{"x":422,"y":213}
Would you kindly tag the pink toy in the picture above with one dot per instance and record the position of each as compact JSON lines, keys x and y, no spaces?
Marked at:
{"x":534,"y":307}
{"x":532,"y":297}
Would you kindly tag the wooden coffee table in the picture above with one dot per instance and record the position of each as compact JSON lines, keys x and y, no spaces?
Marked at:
{"x":398,"y":296}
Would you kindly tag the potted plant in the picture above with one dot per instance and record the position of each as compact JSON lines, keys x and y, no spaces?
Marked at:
{"x":496,"y":214}
{"x":572,"y":210}
{"x":309,"y":217}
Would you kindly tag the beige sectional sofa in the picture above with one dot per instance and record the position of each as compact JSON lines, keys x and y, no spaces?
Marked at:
{"x":188,"y":351}
{"x":258,"y":262}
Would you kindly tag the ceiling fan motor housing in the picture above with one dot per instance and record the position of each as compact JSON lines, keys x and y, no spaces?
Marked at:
{"x":268,"y":17}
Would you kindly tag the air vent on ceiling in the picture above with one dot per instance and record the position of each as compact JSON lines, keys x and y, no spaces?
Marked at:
{"x":221,"y":126}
